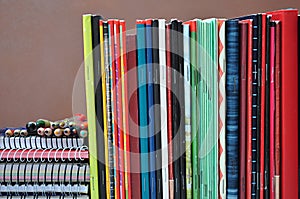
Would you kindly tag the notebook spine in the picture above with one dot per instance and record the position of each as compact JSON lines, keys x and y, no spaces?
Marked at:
{"x":108,"y":86}
{"x":156,"y":102}
{"x":143,"y":111}
{"x":255,"y":107}
{"x":150,"y":101}
{"x":222,"y":109}
{"x":133,"y":118}
{"x":232,"y":101}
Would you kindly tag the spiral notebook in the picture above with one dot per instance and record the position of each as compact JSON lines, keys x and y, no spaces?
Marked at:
{"x":44,"y":172}
{"x":34,"y":142}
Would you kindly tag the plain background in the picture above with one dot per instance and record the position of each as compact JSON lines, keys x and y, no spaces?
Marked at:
{"x":41,"y":46}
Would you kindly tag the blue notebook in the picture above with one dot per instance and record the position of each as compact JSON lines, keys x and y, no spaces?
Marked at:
{"x":150,"y":108}
{"x":175,"y":107}
{"x":143,"y":109}
{"x":232,"y":111}
{"x":156,"y":101}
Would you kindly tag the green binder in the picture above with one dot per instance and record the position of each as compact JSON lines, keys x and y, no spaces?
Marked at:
{"x":90,"y":103}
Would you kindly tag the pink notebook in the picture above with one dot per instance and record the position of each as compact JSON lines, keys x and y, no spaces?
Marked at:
{"x":272,"y":111}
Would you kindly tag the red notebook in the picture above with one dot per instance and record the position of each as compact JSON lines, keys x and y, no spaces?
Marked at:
{"x":125,"y":110}
{"x":272,"y":108}
{"x":289,"y":102}
{"x":133,"y":117}
{"x":249,"y":112}
{"x":118,"y":91}
{"x":262,"y":105}
{"x":277,"y":108}
{"x":114,"y":112}
{"x":169,"y":113}
{"x":243,"y":106}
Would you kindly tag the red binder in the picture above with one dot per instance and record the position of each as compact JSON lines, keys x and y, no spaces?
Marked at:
{"x":289,"y":101}
{"x":133,"y":118}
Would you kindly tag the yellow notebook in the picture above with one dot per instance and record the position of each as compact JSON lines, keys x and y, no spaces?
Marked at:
{"x":90,"y":103}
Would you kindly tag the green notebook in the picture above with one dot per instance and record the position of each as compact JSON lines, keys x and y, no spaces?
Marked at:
{"x":200,"y":97}
{"x":207,"y":92}
{"x":90,"y":103}
{"x":193,"y":58}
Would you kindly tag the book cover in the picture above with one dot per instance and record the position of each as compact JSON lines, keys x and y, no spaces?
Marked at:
{"x":156,"y":103}
{"x":98,"y":104}
{"x":193,"y":71}
{"x":124,"y":84}
{"x":213,"y":188}
{"x":90,"y":102}
{"x":164,"y":107}
{"x":262,"y":102}
{"x":181,"y":108}
{"x":114,"y":108}
{"x":143,"y":108}
{"x":169,"y":114}
{"x":187,"y":104}
{"x":133,"y":117}
{"x":119,"y":119}
{"x":249,"y":111}
{"x":272,"y":108}
{"x":289,"y":101}
{"x":267,"y":114}
{"x":256,"y":69}
{"x":175,"y":106}
{"x":277,"y":108}
{"x":243,"y":107}
{"x":232,"y":103}
{"x":150,"y":103}
{"x":222,"y":108}
{"x":108,"y":95}
{"x":207,"y":88}
{"x":105,"y":122}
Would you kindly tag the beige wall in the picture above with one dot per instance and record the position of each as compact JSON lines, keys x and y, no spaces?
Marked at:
{"x":41,"y":45}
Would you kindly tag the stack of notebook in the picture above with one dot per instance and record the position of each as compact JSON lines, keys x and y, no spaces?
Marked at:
{"x":195,"y":109}
{"x":45,"y":160}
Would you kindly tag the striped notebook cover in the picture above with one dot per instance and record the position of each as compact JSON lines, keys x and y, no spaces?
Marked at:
{"x":232,"y":102}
